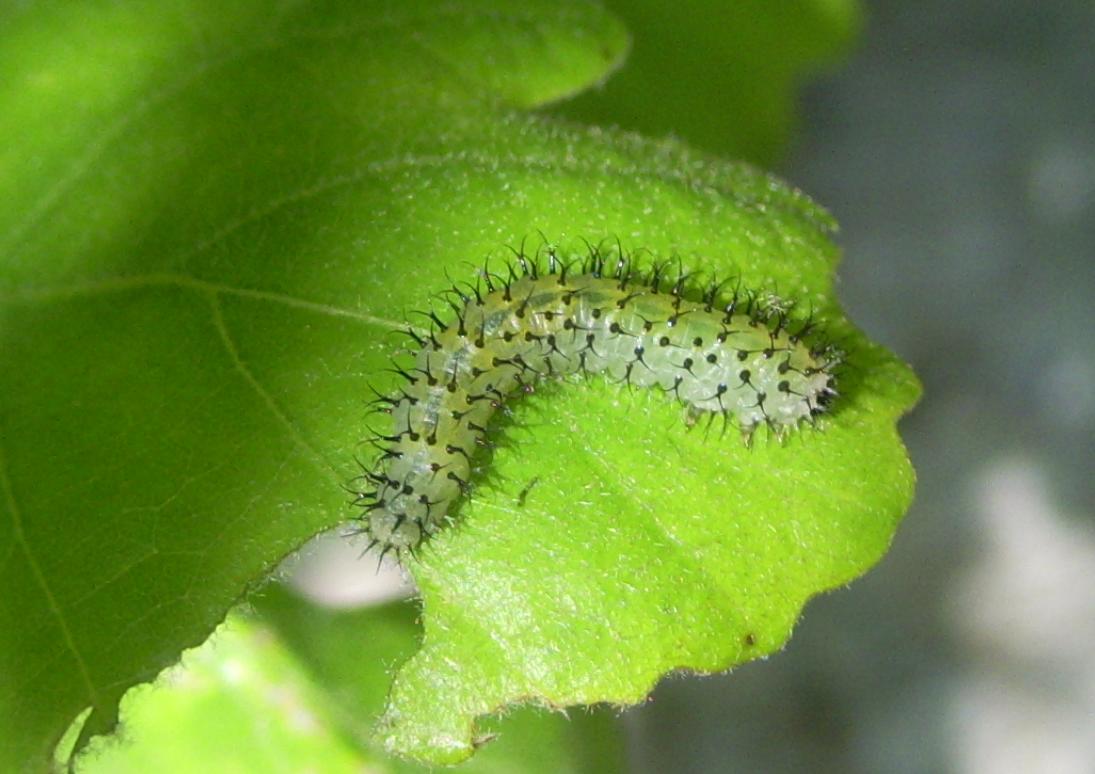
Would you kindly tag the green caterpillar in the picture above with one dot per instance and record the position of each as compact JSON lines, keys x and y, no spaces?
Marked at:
{"x":736,"y":356}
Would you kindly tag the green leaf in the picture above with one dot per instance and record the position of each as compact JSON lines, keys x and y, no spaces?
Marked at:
{"x":292,"y":691}
{"x":189,"y":280}
{"x":210,"y":221}
{"x":240,"y":702}
{"x":722,"y":76}
{"x":643,"y":550}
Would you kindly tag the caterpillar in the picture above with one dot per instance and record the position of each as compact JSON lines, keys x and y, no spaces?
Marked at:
{"x":739,"y":356}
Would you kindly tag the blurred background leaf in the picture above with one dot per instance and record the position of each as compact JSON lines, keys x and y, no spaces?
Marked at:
{"x":723,"y":76}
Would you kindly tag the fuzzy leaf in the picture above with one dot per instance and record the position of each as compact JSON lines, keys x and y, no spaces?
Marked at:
{"x":211,"y":219}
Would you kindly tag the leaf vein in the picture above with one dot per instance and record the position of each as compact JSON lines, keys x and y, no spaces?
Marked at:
{"x":267,"y":399}
{"x":43,"y":584}
{"x":138,"y":281}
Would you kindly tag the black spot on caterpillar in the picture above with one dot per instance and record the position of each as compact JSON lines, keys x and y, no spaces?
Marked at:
{"x":738,"y":355}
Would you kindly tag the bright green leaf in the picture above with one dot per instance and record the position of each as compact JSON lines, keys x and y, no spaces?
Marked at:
{"x":644,"y":548}
{"x":209,"y":224}
{"x":239,"y":702}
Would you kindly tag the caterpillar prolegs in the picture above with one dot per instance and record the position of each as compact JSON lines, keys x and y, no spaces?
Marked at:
{"x":738,"y":355}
